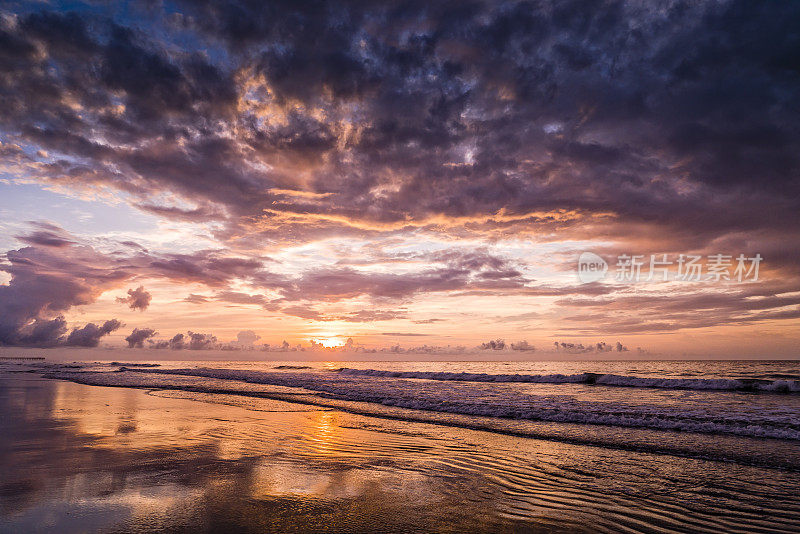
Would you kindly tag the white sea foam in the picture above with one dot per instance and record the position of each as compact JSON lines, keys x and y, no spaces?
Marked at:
{"x":700,"y":384}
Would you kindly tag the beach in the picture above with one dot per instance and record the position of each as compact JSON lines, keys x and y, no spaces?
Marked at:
{"x":87,"y":458}
{"x":399,"y":267}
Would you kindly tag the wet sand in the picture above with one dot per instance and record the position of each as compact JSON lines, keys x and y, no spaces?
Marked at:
{"x":77,"y":458}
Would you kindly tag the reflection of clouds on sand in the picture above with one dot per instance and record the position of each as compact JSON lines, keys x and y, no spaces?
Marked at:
{"x":67,"y":470}
{"x":85,"y":410}
{"x":174,"y":458}
{"x":75,"y":512}
{"x":284,"y":478}
{"x":190,"y":466}
{"x":268,"y":465}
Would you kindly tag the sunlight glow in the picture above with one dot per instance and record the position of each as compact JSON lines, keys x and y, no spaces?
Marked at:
{"x":329,"y":342}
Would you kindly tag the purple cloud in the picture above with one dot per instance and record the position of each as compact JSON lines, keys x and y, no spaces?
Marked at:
{"x":137,"y":299}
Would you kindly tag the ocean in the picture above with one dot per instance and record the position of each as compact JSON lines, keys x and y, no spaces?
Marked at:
{"x":718,"y":438}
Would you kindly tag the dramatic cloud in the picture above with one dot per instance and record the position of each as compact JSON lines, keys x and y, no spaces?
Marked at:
{"x":89,"y":335}
{"x":137,"y":299}
{"x":53,"y":332}
{"x":139,"y":335}
{"x":340,"y":163}
{"x":58,"y":274}
{"x":367,"y":117}
{"x":47,"y":280}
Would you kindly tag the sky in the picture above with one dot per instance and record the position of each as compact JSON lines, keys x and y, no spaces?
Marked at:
{"x":402,"y":177}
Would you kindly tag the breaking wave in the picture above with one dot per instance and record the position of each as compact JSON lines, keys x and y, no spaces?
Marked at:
{"x":699,"y":384}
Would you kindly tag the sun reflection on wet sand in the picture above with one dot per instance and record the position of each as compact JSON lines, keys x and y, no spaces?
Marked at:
{"x":322,"y":432}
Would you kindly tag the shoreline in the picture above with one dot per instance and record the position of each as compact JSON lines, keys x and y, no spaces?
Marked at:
{"x":451,"y":420}
{"x":773,"y":452}
{"x":295,"y":467}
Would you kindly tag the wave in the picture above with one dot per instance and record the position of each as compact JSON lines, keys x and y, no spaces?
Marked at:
{"x":293,"y":367}
{"x":136,"y":364}
{"x":700,"y":384}
{"x":474,"y":399}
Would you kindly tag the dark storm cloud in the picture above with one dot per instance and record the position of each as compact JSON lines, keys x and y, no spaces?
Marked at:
{"x":37,"y":333}
{"x":677,"y":115}
{"x":89,"y":335}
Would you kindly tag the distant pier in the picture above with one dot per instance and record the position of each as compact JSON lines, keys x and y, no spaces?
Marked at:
{"x":21,"y":358}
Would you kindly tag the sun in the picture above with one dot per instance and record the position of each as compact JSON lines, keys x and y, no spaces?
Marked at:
{"x":329,"y":342}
